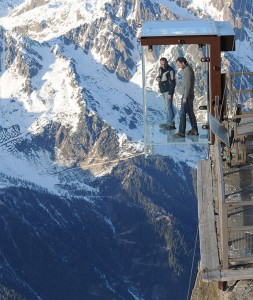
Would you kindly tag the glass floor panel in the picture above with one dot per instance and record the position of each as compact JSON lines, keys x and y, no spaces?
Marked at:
{"x":157,"y":136}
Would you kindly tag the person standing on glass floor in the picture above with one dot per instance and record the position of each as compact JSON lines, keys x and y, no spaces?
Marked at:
{"x":188,"y":82}
{"x":167,"y":82}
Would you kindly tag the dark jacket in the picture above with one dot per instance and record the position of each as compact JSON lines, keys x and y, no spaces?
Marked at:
{"x":167,"y":81}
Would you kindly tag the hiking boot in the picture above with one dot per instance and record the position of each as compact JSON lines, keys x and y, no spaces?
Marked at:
{"x":162,"y":125}
{"x":192,"y":132}
{"x":178,"y":135}
{"x":168,"y":127}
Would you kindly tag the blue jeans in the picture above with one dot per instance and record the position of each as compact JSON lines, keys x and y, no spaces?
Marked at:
{"x":169,"y":110}
{"x":187,"y":108}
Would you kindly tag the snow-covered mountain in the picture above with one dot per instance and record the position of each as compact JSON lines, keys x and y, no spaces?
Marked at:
{"x":71,"y":74}
{"x":84,"y":215}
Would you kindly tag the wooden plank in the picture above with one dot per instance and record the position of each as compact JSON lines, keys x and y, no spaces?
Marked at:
{"x":241,"y":259}
{"x":240,"y":228}
{"x":240,"y":73}
{"x":223,"y":213}
{"x":243,"y":115}
{"x":209,"y":264}
{"x":241,"y":91}
{"x":240,"y":204}
{"x":237,"y":274}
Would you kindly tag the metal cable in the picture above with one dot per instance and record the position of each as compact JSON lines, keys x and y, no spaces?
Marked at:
{"x":193,"y":258}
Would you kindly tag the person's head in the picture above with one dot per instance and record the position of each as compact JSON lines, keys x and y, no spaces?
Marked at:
{"x":181,"y":62}
{"x":163,"y":62}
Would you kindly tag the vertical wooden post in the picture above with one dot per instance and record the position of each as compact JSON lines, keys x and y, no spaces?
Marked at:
{"x":223,"y":214}
{"x":244,"y":150}
{"x":230,"y":94}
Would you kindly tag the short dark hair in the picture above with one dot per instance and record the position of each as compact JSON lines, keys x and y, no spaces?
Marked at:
{"x":164,"y":60}
{"x":182,"y":60}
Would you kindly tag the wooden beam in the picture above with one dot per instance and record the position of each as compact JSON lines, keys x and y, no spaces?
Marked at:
{"x":239,"y":204}
{"x":209,"y":263}
{"x":241,"y":259}
{"x":237,"y":274}
{"x":240,"y":73}
{"x":241,"y":91}
{"x":242,"y":228}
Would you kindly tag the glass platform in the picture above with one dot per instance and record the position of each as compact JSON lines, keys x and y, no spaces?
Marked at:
{"x":153,"y":102}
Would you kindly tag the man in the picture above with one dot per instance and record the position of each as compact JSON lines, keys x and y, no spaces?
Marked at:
{"x":167,"y":83}
{"x":188,"y":80}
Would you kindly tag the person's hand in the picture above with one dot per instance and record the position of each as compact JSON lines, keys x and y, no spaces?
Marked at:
{"x":184,"y":100}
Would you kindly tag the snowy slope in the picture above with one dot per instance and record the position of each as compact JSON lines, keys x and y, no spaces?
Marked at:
{"x":49,"y":19}
{"x":6,"y":6}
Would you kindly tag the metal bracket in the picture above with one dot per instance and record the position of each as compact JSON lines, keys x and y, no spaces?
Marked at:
{"x":205,"y":59}
{"x":181,"y":42}
{"x":203,"y":107}
{"x":216,"y":68}
{"x":205,"y":126}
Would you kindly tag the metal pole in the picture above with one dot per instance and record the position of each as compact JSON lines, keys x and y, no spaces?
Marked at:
{"x":144,"y":101}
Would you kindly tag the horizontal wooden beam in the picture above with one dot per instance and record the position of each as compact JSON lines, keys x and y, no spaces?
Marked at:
{"x":240,"y":73}
{"x":241,"y":91}
{"x":241,"y":203}
{"x":241,"y":259}
{"x":237,"y":274}
{"x":243,"y":115}
{"x":241,"y":228}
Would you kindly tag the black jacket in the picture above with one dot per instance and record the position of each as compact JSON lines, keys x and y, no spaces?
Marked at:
{"x":167,"y":81}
